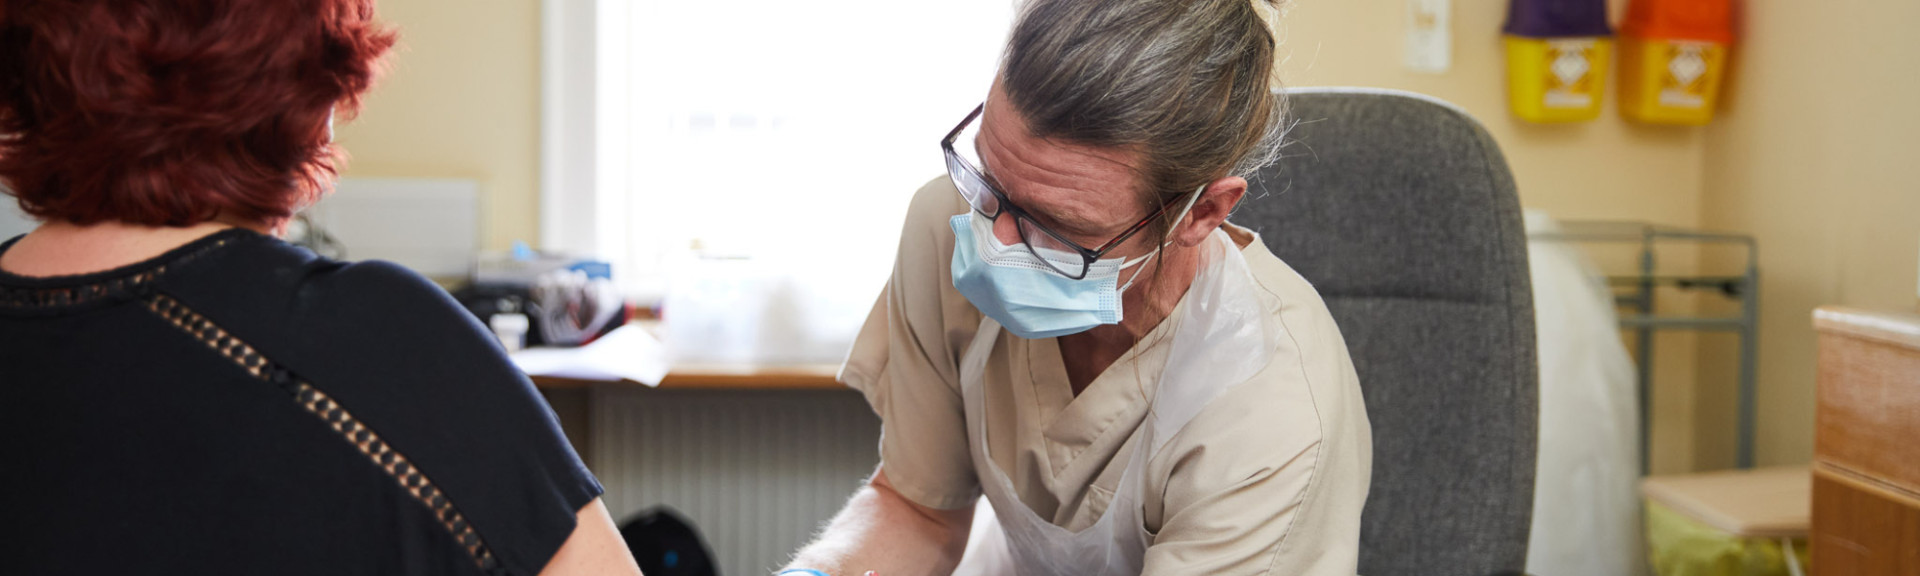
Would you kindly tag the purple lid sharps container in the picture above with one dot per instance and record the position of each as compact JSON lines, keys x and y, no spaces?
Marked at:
{"x":1557,"y":18}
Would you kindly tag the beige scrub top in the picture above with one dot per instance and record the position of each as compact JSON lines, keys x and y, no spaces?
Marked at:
{"x":1269,"y":478}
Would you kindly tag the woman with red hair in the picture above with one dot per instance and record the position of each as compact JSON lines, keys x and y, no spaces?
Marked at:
{"x":183,"y":393}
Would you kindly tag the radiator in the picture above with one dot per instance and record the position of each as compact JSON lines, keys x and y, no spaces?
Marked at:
{"x":757,"y":472}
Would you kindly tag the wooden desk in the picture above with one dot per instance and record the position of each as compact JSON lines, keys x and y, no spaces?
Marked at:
{"x":571,"y":401}
{"x":713,"y":376}
{"x":724,"y":377}
{"x":1866,"y":470}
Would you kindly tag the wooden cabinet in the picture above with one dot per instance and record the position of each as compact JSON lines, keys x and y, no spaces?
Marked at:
{"x":1866,"y":485}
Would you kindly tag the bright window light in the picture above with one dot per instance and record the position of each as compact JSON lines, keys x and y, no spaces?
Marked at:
{"x":792,"y":133}
{"x":747,"y":164}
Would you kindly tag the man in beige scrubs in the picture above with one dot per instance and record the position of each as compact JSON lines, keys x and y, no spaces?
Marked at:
{"x":1076,"y":342}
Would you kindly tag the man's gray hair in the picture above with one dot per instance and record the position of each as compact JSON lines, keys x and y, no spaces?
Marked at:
{"x":1187,"y":85}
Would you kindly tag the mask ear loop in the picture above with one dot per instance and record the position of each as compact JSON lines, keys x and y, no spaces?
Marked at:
{"x":1163,"y":244}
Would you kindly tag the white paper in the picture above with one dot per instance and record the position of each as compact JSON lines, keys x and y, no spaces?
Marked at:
{"x":1429,"y":43}
{"x":628,"y":352}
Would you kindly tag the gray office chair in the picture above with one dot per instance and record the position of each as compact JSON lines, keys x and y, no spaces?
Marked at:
{"x":1400,"y":210}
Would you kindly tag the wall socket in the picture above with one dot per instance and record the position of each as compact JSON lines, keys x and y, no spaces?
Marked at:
{"x":1428,"y":46}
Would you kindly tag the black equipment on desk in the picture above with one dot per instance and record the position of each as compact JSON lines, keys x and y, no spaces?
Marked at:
{"x":664,"y":544}
{"x":566,"y":301}
{"x":486,"y":300}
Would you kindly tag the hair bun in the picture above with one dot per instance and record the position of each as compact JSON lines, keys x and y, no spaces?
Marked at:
{"x":1270,"y":12}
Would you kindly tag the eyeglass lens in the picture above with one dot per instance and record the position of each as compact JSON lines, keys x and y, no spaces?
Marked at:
{"x":962,"y":166}
{"x":973,"y":188}
{"x":1058,"y":255}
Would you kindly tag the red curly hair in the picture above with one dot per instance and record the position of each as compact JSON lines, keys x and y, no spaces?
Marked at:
{"x":176,"y":112}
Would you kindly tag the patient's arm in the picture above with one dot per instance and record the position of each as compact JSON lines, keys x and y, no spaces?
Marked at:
{"x":594,"y":548}
{"x":882,"y":531}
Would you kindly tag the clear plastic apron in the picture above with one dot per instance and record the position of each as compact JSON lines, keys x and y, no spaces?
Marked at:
{"x":1224,"y":336}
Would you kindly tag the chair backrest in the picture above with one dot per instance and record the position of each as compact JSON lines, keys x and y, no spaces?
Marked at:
{"x":1400,"y":210}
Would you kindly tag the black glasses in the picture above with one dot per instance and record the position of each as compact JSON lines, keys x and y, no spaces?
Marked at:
{"x":1062,"y":255}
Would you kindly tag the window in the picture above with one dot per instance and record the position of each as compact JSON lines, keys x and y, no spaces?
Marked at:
{"x":786,"y":131}
{"x":788,"y":135}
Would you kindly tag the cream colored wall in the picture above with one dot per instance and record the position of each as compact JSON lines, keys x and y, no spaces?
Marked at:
{"x":1606,"y":169}
{"x":462,"y":101}
{"x":1602,"y":169}
{"x":1814,"y":154}
{"x":1799,"y":158}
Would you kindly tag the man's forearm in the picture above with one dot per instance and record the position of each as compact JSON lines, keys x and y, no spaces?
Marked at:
{"x":882,"y":531}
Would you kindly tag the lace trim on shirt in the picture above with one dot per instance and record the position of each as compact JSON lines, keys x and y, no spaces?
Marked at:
{"x":124,"y":287}
{"x":67,"y":296}
{"x":335,"y":416}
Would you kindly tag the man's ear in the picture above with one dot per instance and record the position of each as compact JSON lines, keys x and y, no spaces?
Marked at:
{"x":1212,"y":209}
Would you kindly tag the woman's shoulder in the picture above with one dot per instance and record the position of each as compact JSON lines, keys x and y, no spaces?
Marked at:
{"x":275,"y":276}
{"x":372,"y":328}
{"x":395,"y":351}
{"x":326,"y":316}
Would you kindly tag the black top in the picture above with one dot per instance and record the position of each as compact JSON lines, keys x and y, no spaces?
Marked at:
{"x":242,"y":406}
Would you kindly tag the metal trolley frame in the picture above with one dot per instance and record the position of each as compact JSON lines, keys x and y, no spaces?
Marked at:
{"x":1636,"y":293}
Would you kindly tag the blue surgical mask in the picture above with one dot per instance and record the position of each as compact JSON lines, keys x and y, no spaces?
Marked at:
{"x":1015,"y":288}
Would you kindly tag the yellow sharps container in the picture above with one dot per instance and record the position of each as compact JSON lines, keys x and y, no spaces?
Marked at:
{"x":1673,"y":58}
{"x":1557,"y":54}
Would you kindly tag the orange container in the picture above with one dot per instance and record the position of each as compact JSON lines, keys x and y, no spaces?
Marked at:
{"x":1673,"y":59}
